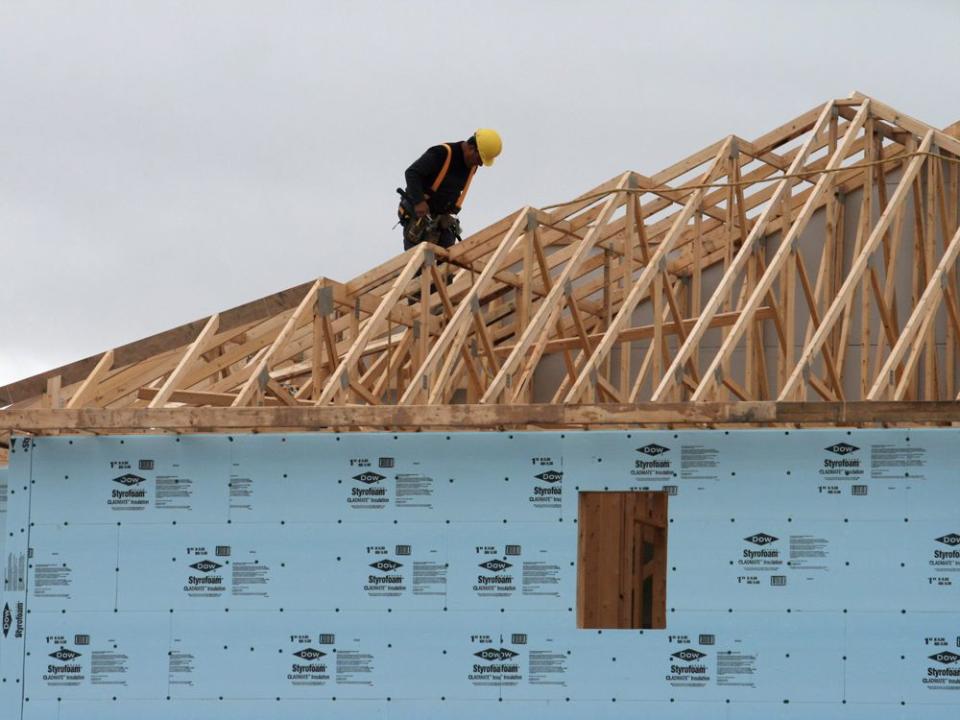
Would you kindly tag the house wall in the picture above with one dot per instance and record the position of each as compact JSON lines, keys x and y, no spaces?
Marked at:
{"x":809,"y":573}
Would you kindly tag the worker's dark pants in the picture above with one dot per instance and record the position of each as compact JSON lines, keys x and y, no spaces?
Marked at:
{"x":446,"y":239}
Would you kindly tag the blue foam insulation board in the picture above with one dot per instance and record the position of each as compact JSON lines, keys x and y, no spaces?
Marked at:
{"x":811,"y":573}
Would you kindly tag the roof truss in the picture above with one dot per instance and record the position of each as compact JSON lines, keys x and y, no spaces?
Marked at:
{"x":744,"y":272}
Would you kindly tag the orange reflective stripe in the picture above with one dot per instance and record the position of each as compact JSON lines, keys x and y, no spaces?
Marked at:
{"x":443,"y":170}
{"x":463,"y":193}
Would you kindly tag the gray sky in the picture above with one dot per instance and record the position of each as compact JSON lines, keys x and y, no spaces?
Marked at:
{"x":160,"y":161}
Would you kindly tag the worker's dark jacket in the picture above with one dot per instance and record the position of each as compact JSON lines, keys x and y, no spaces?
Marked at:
{"x":421,"y":175}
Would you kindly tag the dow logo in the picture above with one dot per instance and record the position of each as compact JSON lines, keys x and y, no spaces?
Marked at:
{"x":550,"y":476}
{"x":129,"y":479}
{"x":385,"y":565}
{"x":495,"y":565}
{"x":369,"y":478}
{"x":946,"y":658}
{"x":653,"y":449}
{"x":206,"y":566}
{"x":496,"y":654}
{"x":7,"y":619}
{"x":310,"y":654}
{"x":689,"y":655}
{"x":761,"y":539}
{"x":64,"y":655}
{"x":951,"y":539}
{"x":842,"y":449}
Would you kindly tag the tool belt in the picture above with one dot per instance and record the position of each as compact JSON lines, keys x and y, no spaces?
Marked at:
{"x":428,"y":229}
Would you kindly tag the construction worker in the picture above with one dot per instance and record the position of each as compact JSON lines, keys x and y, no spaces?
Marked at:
{"x":437,"y":185}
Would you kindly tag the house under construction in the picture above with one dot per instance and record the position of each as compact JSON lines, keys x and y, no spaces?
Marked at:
{"x":687,"y":438}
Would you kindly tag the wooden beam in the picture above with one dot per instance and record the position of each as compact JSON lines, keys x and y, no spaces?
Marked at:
{"x":89,"y":385}
{"x":52,"y":398}
{"x":940,"y":138}
{"x":464,"y":417}
{"x":645,"y":332}
{"x":198,"y":346}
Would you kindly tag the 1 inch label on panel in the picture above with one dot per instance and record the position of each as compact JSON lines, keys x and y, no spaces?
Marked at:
{"x":311,"y":659}
{"x":943,"y":665}
{"x":497,"y":576}
{"x":369,"y":489}
{"x":398,"y":573}
{"x":945,"y":559}
{"x":689,"y":665}
{"x":547,"y":489}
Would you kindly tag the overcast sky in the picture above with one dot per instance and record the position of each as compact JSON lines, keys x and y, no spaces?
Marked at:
{"x":160,"y":161}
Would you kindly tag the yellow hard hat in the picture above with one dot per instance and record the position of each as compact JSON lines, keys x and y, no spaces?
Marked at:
{"x":489,"y":144}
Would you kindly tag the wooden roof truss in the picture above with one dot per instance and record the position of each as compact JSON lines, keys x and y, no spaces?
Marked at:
{"x":781,"y":317}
